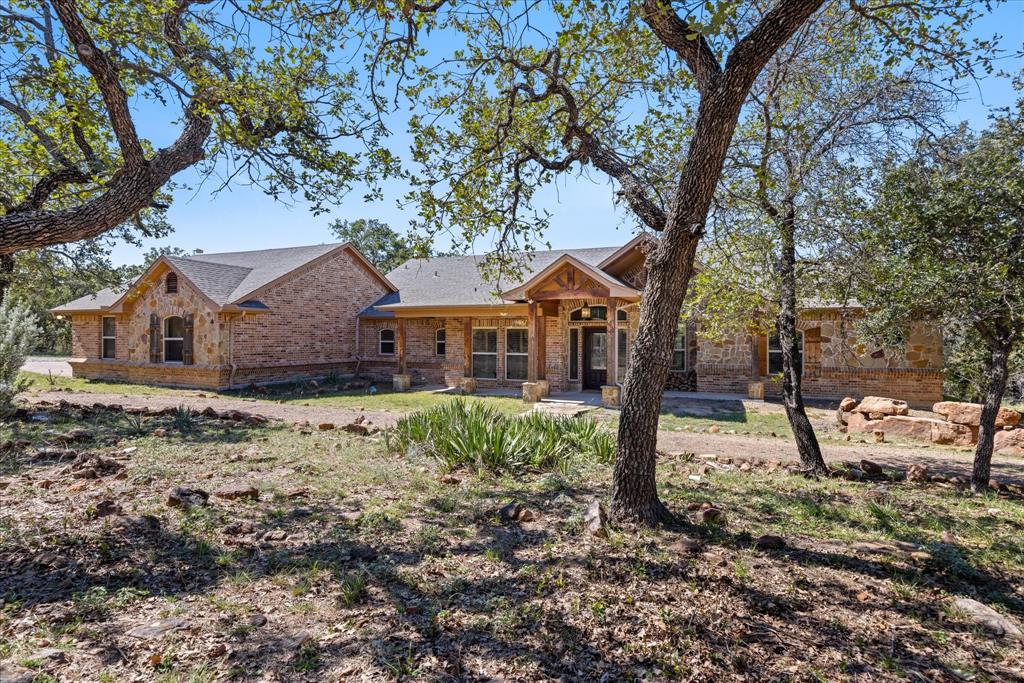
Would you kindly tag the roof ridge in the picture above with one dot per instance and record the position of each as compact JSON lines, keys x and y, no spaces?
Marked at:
{"x":191,"y":257}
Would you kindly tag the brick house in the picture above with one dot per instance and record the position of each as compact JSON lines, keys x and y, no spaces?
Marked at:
{"x":567,"y":325}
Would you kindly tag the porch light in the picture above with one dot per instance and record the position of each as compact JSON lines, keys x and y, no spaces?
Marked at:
{"x":585,"y":312}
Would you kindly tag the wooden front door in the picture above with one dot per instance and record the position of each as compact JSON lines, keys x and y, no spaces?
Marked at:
{"x":595,"y":357}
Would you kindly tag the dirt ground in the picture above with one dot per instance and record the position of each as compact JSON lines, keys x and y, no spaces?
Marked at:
{"x":324,"y":556}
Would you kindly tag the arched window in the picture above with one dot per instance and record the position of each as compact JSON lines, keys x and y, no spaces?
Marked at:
{"x":174,"y":339}
{"x":439,"y":338}
{"x":621,"y":315}
{"x":387,"y":343}
{"x":171,"y":281}
{"x":590,"y":313}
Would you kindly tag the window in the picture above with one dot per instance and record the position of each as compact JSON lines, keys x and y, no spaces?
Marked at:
{"x":775,"y":354}
{"x":387,"y":343}
{"x":109,"y":336}
{"x":439,"y":338}
{"x":516,"y":353}
{"x":174,"y":339}
{"x":171,"y":281}
{"x":679,"y":347}
{"x":574,"y":354}
{"x":590,"y":313}
{"x":485,"y":353}
{"x":621,"y":315}
{"x":622,"y":355}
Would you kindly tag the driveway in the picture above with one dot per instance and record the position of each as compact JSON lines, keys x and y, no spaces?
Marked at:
{"x":48,"y":365}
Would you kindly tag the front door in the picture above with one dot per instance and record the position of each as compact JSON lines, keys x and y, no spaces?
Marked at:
{"x":595,"y":357}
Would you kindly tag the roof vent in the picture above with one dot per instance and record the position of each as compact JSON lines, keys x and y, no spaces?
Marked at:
{"x":197,"y":251}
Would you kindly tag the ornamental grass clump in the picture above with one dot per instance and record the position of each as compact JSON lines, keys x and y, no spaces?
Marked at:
{"x":463,"y":434}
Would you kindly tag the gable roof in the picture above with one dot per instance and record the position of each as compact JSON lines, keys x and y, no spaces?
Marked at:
{"x":227,"y":278}
{"x":457,"y":281}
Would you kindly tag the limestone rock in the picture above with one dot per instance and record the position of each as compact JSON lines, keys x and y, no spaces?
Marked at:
{"x":595,"y":519}
{"x":709,"y":515}
{"x":156,"y":629}
{"x":770,"y":542}
{"x":238,"y":491}
{"x":514,"y":512}
{"x":1006,"y":439}
{"x":180,"y":497}
{"x":986,"y":617}
{"x":880,"y":404}
{"x":848,"y":404}
{"x":917,"y":474}
{"x":687,"y":546}
{"x":970,"y":414}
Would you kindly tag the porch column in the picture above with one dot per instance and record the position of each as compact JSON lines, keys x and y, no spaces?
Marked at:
{"x":613,"y":357}
{"x":401,"y":346}
{"x":755,"y":357}
{"x":401,"y":380}
{"x":467,"y":347}
{"x":531,"y":342}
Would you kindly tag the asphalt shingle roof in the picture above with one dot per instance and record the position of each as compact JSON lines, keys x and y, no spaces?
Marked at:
{"x":457,"y":281}
{"x":92,"y":302}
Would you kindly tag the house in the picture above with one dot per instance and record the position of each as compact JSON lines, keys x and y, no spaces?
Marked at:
{"x":565,"y":325}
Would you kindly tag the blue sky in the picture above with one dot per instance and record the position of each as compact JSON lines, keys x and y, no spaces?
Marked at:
{"x":583,"y":213}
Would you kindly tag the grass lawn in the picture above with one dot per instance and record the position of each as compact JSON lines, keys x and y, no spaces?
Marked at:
{"x":355,"y":562}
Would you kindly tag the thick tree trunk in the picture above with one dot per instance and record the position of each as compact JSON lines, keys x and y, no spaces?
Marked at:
{"x":670,"y":265}
{"x":997,"y":377}
{"x":792,"y":393}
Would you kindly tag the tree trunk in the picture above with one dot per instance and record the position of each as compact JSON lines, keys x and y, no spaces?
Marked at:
{"x":792,"y":394}
{"x":998,"y":373}
{"x":670,"y":264}
{"x":669,"y":268}
{"x":6,"y":274}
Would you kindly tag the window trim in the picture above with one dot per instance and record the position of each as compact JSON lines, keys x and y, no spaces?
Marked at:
{"x":474,"y":354}
{"x":517,"y":353}
{"x":574,"y":354}
{"x":681,"y":327}
{"x":621,"y":316}
{"x":440,"y":342}
{"x":768,"y":351}
{"x":104,"y":337}
{"x":381,"y":341}
{"x":621,"y":350}
{"x":168,"y":279}
{"x":166,"y":339}
{"x":592,"y":318}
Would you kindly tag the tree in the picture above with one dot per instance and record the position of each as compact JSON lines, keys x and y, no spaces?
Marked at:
{"x":17,"y":336}
{"x":260,"y":90}
{"x":645,"y":93}
{"x":385,"y":248}
{"x":946,"y":232}
{"x":825,"y":102}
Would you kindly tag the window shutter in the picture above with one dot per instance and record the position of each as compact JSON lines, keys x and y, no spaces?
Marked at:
{"x":154,"y":338}
{"x":186,"y":353}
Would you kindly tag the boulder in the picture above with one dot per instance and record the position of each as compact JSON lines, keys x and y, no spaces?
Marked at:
{"x":918,"y":474}
{"x":970,"y":414}
{"x":770,"y":542}
{"x":848,"y":404}
{"x":1007,"y":439}
{"x":882,"y":405}
{"x":156,"y":629}
{"x":989,"y":619}
{"x":860,"y":423}
{"x":710,"y":515}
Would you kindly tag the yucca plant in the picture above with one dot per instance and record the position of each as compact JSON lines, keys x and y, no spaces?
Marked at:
{"x":472,"y":434}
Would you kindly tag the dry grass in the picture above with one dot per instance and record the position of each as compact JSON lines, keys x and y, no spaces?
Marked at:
{"x":370,"y":566}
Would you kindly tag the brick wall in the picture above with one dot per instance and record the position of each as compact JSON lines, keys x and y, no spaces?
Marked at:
{"x":421,"y":360}
{"x":312,"y":317}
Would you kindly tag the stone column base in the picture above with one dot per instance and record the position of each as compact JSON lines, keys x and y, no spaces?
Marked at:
{"x":611,"y":395}
{"x":468,"y":385}
{"x":532,"y":392}
{"x":401,"y":382}
{"x":545,"y":387}
{"x":755,"y":390}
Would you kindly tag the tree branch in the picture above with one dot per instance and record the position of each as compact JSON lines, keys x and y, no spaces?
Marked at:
{"x":684,"y":40}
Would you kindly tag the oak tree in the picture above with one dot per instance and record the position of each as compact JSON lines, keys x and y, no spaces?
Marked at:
{"x":643,"y":94}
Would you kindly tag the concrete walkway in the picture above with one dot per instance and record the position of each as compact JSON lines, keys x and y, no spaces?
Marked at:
{"x":48,"y":365}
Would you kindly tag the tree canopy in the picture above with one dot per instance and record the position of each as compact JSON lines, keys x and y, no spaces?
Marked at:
{"x":383,"y":246}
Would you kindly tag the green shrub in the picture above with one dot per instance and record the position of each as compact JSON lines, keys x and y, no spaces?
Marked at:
{"x":18,"y":332}
{"x":462,"y":434}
